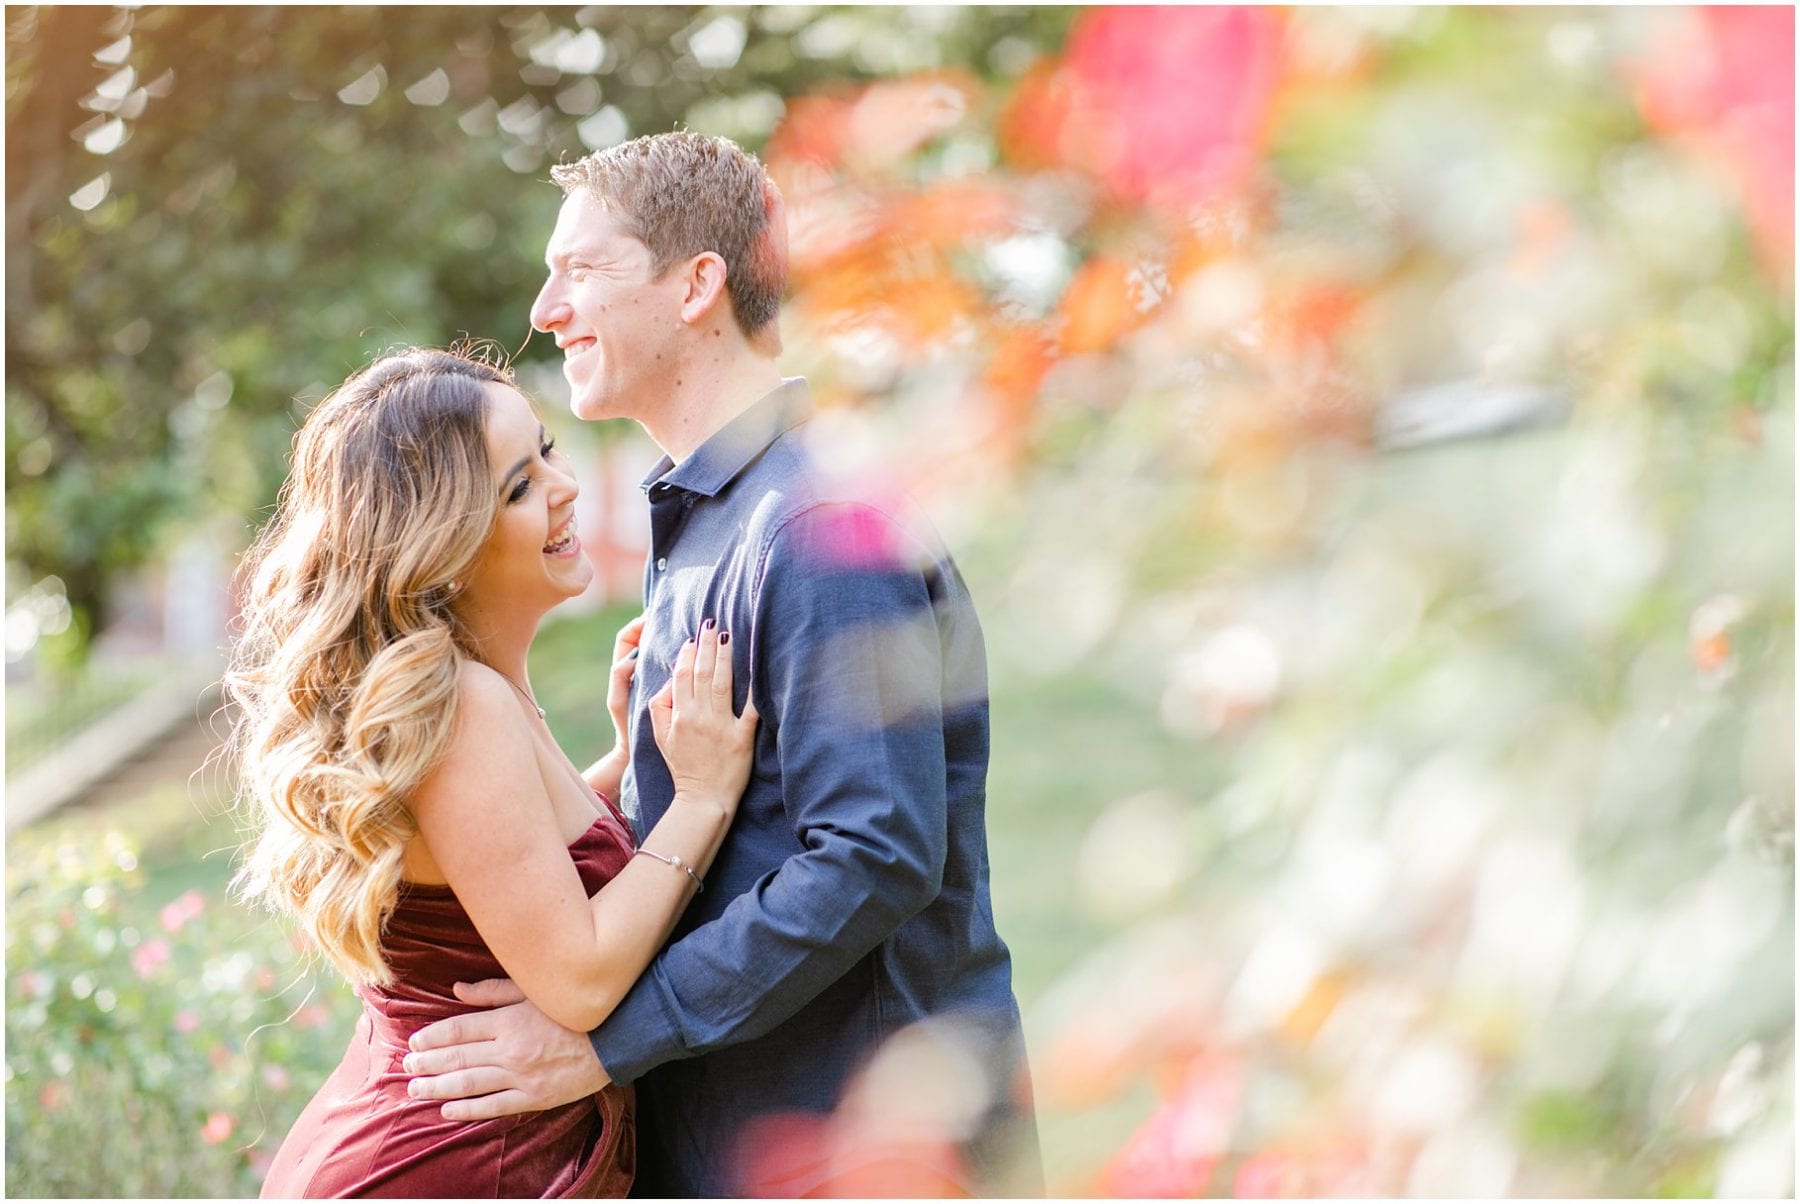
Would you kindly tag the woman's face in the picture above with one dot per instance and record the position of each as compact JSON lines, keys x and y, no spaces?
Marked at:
{"x":532,"y":560}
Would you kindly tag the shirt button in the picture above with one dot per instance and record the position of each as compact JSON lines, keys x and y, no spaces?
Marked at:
{"x":662,"y":562}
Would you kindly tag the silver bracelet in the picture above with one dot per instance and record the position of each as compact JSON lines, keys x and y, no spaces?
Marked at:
{"x":676,"y":861}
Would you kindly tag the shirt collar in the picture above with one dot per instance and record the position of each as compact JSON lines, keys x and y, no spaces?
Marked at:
{"x":718,"y":461}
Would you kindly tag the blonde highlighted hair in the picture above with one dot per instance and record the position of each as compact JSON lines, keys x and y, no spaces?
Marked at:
{"x":345,"y":673}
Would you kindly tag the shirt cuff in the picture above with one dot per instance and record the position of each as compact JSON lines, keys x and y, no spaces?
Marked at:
{"x":640,"y":1035}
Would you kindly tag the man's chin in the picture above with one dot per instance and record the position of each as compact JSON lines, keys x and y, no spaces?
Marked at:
{"x":588,"y":407}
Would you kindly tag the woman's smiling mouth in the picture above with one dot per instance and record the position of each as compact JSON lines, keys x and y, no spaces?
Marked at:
{"x":566,"y":543}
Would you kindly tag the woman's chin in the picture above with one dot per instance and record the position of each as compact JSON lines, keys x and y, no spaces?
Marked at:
{"x":576,"y":583}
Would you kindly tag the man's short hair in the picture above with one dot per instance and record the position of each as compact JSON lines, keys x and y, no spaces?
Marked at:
{"x":683,"y":193}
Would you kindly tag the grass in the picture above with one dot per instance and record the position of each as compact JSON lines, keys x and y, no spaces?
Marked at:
{"x":1063,"y":749}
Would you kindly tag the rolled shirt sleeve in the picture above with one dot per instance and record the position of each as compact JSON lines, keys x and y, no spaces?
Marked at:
{"x":846,"y":667}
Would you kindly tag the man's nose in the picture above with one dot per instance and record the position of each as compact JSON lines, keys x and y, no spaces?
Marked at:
{"x":548,"y":311}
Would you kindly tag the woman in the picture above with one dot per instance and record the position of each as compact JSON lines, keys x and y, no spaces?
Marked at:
{"x":414,"y":814}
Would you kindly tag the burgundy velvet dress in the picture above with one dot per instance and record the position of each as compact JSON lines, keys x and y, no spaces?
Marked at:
{"x":362,"y":1135}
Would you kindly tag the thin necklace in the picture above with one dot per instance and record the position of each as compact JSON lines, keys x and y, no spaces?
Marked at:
{"x":526,"y":693}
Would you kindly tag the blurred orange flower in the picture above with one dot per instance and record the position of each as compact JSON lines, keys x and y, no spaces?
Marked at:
{"x":952,"y":212}
{"x":1098,"y":308}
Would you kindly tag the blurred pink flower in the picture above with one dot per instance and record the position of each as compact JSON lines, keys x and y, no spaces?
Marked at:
{"x":217,"y":1128}
{"x":1172,"y":102}
{"x":275,"y":1077}
{"x":1175,"y":1152}
{"x":1270,"y":1175}
{"x":177,"y":914}
{"x":53,"y":1096}
{"x":30,"y":983}
{"x":1336,"y":1167}
{"x":311,"y":1016}
{"x":147,"y":957}
{"x":1722,"y":80}
{"x":186,"y":1022}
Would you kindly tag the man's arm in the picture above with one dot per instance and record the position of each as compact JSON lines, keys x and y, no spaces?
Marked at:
{"x":847,"y":673}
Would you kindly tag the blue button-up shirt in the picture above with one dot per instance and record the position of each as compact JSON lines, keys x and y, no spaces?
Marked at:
{"x":850,"y":898}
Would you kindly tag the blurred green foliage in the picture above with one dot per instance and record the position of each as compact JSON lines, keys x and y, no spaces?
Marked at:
{"x":214,"y":214}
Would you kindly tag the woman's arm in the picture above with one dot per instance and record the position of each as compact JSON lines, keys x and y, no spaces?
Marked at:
{"x":608,"y":772}
{"x":490,"y":827}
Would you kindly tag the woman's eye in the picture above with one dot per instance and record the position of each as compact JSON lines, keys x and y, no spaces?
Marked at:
{"x":519,"y":490}
{"x":549,"y":446}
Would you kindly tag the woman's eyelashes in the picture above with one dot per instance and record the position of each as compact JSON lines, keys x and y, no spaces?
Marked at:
{"x":523,"y":485}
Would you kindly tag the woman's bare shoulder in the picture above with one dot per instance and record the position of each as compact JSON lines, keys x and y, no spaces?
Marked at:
{"x":489,"y":741}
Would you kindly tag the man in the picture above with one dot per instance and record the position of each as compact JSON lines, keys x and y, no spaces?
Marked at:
{"x":851,"y":900}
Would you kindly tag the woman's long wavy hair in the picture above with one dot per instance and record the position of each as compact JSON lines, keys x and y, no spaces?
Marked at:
{"x":346,"y":669}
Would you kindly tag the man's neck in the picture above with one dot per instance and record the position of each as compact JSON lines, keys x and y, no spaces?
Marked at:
{"x":711,"y":388}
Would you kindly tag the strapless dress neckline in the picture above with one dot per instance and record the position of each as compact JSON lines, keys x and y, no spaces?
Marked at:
{"x":602,"y":823}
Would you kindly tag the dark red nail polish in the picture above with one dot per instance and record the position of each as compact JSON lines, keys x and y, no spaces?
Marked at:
{"x":724,"y":638}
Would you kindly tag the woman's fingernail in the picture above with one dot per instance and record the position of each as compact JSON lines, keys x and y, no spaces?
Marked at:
{"x":709,"y":625}
{"x":724,"y":637}
{"x":633,"y":655}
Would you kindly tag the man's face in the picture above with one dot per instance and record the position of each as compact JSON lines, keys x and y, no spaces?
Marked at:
{"x":616,"y":325}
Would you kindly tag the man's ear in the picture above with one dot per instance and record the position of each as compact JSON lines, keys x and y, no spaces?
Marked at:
{"x":705,"y":287}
